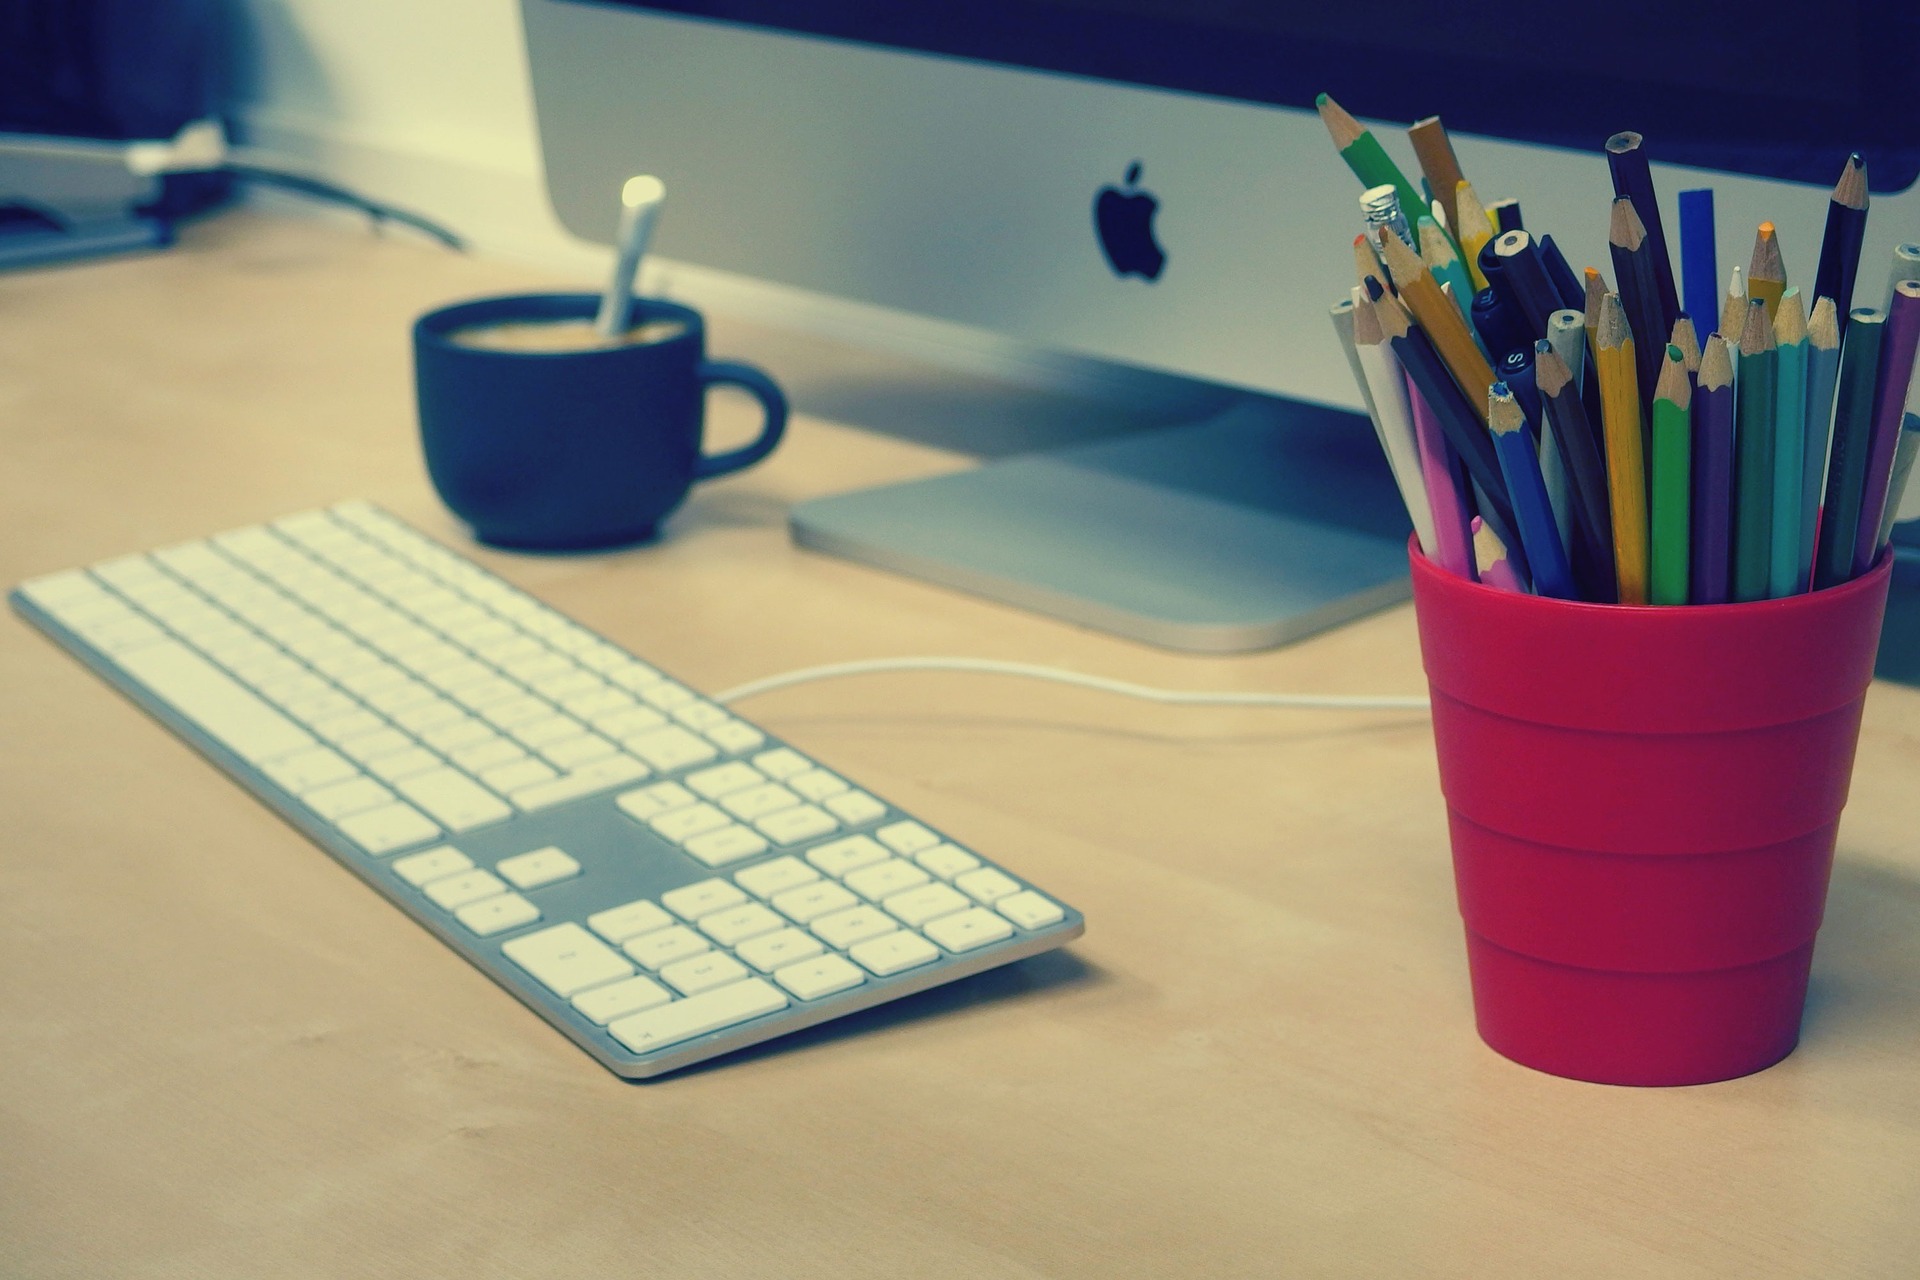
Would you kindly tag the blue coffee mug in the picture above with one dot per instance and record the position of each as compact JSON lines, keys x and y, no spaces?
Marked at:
{"x":577,"y":449}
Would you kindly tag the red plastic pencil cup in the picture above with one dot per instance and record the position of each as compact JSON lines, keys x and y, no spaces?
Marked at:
{"x":1643,"y":803}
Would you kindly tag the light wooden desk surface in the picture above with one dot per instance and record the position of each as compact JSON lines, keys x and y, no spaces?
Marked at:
{"x":222,"y":1055}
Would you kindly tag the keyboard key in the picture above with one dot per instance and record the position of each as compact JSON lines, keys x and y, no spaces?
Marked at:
{"x":703,"y":973}
{"x":664,"y":946}
{"x":737,"y":924}
{"x":946,"y":860}
{"x":884,"y":879}
{"x":757,"y":802}
{"x":698,"y":1015}
{"x":700,"y":715}
{"x":854,"y":807}
{"x":432,"y":864}
{"x":371,"y":746}
{"x":542,"y":866}
{"x":648,"y":802}
{"x":671,"y":748}
{"x":403,"y":764}
{"x":617,"y":924}
{"x":343,"y":799}
{"x":485,"y":755}
{"x":512,"y":776}
{"x":810,"y":901}
{"x":774,"y":877}
{"x":987,"y":885}
{"x":791,"y":826}
{"x":816,"y":784}
{"x":315,"y":767}
{"x":856,"y":924}
{"x":629,"y":722}
{"x":895,"y":953}
{"x":571,"y":753}
{"x":838,"y":857}
{"x":454,"y":800}
{"x":907,"y":837}
{"x":566,"y":959}
{"x":781,"y":763}
{"x":666,"y":695}
{"x":969,"y":930}
{"x":219,"y":705}
{"x":456,"y":891}
{"x":391,"y":826}
{"x":771,"y":951}
{"x":704,"y":898}
{"x":929,"y":902}
{"x":679,"y":825}
{"x":497,"y":914}
{"x":618,"y":999}
{"x":723,"y":778}
{"x":725,"y":845}
{"x":546,"y":731}
{"x":734,"y":736}
{"x":1029,"y":910}
{"x":823,"y":976}
{"x":456,"y":734}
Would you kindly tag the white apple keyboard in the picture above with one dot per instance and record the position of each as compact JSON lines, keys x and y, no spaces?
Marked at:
{"x":654,"y":876}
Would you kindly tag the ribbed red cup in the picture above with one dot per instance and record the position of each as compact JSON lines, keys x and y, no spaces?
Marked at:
{"x":1643,"y":803}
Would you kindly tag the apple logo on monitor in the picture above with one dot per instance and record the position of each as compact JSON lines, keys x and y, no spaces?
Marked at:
{"x":1123,"y":219}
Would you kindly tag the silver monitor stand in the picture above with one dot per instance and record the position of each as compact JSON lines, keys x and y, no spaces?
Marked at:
{"x":1267,"y":522}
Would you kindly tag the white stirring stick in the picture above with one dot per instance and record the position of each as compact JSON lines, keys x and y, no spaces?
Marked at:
{"x":640,"y":201}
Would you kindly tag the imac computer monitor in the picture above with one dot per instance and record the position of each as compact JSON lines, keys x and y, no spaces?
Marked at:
{"x":1146,"y":182}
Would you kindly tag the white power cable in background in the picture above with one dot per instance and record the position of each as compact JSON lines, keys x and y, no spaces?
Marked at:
{"x":1032,"y":671}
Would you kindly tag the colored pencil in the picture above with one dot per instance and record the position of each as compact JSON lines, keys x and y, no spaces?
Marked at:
{"x":1633,"y":273}
{"x":1847,"y":457}
{"x":1492,"y":559}
{"x":1898,"y":344}
{"x":1669,"y":482}
{"x":1906,"y":266}
{"x":1462,"y":425}
{"x":1366,"y":262}
{"x":1712,"y":516}
{"x":1524,"y":274}
{"x":1699,"y":256}
{"x":1532,"y":511}
{"x":1441,"y":319}
{"x":1364,"y":154}
{"x":1437,"y":251}
{"x":1733,"y":310}
{"x":1626,"y":475}
{"x":1902,"y":471}
{"x":1592,"y":556}
{"x":1475,"y":229}
{"x":1434,"y":149}
{"x":1446,"y":488}
{"x":1767,"y":272}
{"x":1754,"y":457}
{"x":1565,"y":283}
{"x":1393,"y":418}
{"x":1823,"y":373}
{"x":1516,"y":370}
{"x":1687,"y":340}
{"x":1840,"y":245}
{"x":1342,"y":315}
{"x":1790,"y":557}
{"x":1627,"y":160}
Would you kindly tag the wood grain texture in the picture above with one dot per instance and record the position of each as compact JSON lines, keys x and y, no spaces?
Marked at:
{"x":222,"y":1056}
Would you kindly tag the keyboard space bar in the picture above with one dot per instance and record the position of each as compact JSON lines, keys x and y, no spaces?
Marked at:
{"x":231,"y":713}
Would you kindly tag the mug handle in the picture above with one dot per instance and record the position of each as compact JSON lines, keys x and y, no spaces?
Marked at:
{"x":772,"y":400}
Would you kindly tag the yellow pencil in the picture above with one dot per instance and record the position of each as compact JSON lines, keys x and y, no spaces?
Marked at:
{"x":1767,"y":273}
{"x":1475,"y":229}
{"x":1626,"y":467}
{"x":1441,"y":319}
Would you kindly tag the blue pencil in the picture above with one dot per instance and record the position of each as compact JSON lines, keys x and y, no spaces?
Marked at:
{"x":1513,"y":444}
{"x":1699,"y":261}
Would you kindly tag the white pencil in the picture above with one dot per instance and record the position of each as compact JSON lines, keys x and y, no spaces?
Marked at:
{"x":1393,"y":418}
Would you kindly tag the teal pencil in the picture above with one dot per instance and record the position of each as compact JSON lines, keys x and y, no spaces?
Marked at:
{"x":1753,"y":458}
{"x":1852,"y":427}
{"x":1823,"y":374}
{"x":1791,"y":558}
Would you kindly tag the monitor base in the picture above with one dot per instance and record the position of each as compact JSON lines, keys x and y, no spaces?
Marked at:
{"x":1255,"y":528}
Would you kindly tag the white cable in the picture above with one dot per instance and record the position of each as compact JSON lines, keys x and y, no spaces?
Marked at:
{"x":1031,"y":671}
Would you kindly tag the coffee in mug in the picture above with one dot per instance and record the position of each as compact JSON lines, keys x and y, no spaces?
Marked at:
{"x":560,"y":335}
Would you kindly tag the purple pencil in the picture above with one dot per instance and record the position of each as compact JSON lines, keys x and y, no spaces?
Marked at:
{"x":1440,"y":467}
{"x":1711,"y":549}
{"x":1897,"y":348}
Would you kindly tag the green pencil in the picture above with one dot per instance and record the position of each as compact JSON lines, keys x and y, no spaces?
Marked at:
{"x":1754,"y":457}
{"x":1671,"y":481}
{"x":1368,"y":159}
{"x":1791,"y":557}
{"x":1847,"y":465}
